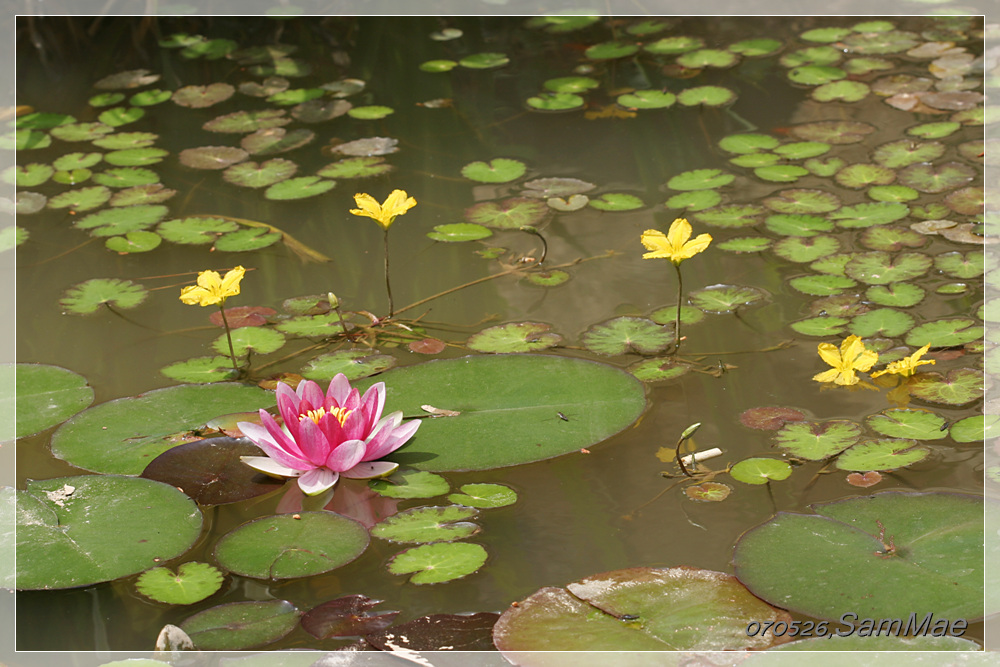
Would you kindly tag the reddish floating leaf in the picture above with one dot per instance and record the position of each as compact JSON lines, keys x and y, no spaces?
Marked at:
{"x":427,"y":346}
{"x":870,"y":478}
{"x":197,"y":97}
{"x":771,"y":418}
{"x":243,"y":316}
{"x":348,"y":616}
{"x":212,"y":157}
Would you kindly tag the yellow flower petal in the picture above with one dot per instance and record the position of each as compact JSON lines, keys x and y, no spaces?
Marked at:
{"x":213,"y":288}
{"x":679,"y":233}
{"x":656,"y":241}
{"x":674,"y":245}
{"x":395,"y":204}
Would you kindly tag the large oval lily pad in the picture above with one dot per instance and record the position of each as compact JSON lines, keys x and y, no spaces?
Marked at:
{"x":241,"y":625}
{"x":77,"y":531}
{"x":510,"y":407}
{"x":124,"y":435}
{"x":638,"y":609}
{"x":47,"y":395}
{"x":928,"y":559}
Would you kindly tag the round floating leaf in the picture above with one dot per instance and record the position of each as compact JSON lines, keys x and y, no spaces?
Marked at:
{"x":892,"y":193}
{"x":863,"y":175}
{"x":428,"y":524}
{"x":967,"y":201}
{"x":972,"y":429}
{"x":730,"y":216}
{"x":891,"y":239}
{"x":820,"y":326}
{"x":958,"y":387}
{"x":373,"y":112}
{"x":212,"y":157}
{"x":83,"y":131}
{"x":136,"y":78}
{"x":639,"y":609}
{"x":770,"y":418}
{"x":799,"y":201}
{"x":668,"y":315}
{"x":408,"y":483}
{"x":903,"y":152}
{"x":961,"y":265}
{"x":275,"y":140}
{"x":833,"y":131}
{"x":881,"y":268}
{"x":295,"y":96}
{"x":199,"y":97}
{"x":126,"y":177}
{"x":72,"y":161}
{"x":881,"y":323}
{"x":81,"y":199}
{"x":195,"y":230}
{"x":748,"y":143}
{"x":755,"y":47}
{"x":822,"y":285}
{"x":438,"y":65}
{"x":120,"y":220}
{"x":484,"y":60}
{"x":708,"y":492}
{"x":259,"y":175}
{"x":551,"y":278}
{"x":710,"y":96}
{"x":355,"y":364}
{"x":356,"y":167}
{"x":79,"y":531}
{"x":124,"y":435}
{"x":555,"y":102}
{"x":31,"y":175}
{"x":936,"y":178}
{"x":250,"y":339}
{"x":508,"y":214}
{"x":695,"y":200}
{"x":193,"y":582}
{"x":514,"y":337}
{"x":781,"y":173}
{"x":754,"y":160}
{"x":105,"y":99}
{"x":657,"y":369}
{"x":88,"y":296}
{"x":133,"y":242}
{"x":323,"y":324}
{"x":892,"y":41}
{"x":881,"y":455}
{"x":148,"y":98}
{"x":437,"y":563}
{"x":814,"y":75}
{"x":71,"y":177}
{"x":935,"y":130}
{"x":610,"y":51}
{"x":512,"y":400}
{"x":797,"y":225}
{"x":913,"y":424}
{"x":320,"y":110}
{"x":498,"y":170}
{"x":627,"y":335}
{"x":201,"y":370}
{"x":647,"y":99}
{"x":118,"y":116}
{"x":245,"y":240}
{"x":242,"y":122}
{"x":760,"y":470}
{"x":797,"y":249}
{"x":547,"y":188}
{"x":844,"y":91}
{"x":897,"y":295}
{"x":484,"y":496}
{"x":122,"y":140}
{"x":142,"y":194}
{"x":27,"y":203}
{"x":937,"y":565}
{"x":725,"y":298}
{"x":745,"y":244}
{"x":800,"y":150}
{"x":210,"y":471}
{"x":135,"y":157}
{"x":288,"y":546}
{"x":824,"y":168}
{"x":700,"y":179}
{"x":612,"y":201}
{"x":238,"y":626}
{"x":299,"y":188}
{"x":674,"y":45}
{"x":707,"y":58}
{"x":46,"y":395}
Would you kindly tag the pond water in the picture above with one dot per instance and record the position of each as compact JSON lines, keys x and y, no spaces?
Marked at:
{"x":765,"y":302}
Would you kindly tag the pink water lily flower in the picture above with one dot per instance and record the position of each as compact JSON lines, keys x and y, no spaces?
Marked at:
{"x":328,"y":435}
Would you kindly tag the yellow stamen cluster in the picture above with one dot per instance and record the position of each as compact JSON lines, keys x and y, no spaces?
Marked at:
{"x":340,"y":414}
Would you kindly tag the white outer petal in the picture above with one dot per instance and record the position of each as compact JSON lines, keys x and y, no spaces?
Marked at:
{"x":317,"y":481}
{"x":269,"y":466}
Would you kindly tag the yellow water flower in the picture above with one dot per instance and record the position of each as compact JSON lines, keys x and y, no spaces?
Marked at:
{"x":908,"y":366}
{"x":852,"y":356}
{"x":674,"y":245}
{"x":213,"y":288}
{"x":395,"y":204}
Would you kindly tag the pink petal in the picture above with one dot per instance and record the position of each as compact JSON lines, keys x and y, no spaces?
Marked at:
{"x":372,"y":403}
{"x":310,"y":393}
{"x":354,"y":426}
{"x":288,"y":406}
{"x":371,"y":470}
{"x":317,"y":481}
{"x":347,"y":455}
{"x":269,"y":466}
{"x":332,"y":430}
{"x":262,"y":439}
{"x":339,"y":389}
{"x":280,"y":436}
{"x":314,"y":444}
{"x":397,"y":437}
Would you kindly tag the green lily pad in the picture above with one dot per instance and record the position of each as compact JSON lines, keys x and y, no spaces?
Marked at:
{"x":755,"y":47}
{"x":700,"y":179}
{"x":122,"y":436}
{"x":834,"y":131}
{"x":748,"y":143}
{"x":674,"y":45}
{"x":972,"y":429}
{"x":209,"y":49}
{"x":46,"y":395}
{"x":556,"y":102}
{"x":695,"y":200}
{"x":862,"y":175}
{"x":702,"y":58}
{"x":824,"y":168}
{"x":627,"y":335}
{"x":897,"y":295}
{"x":961,"y":265}
{"x":881,"y":268}
{"x":657,"y":369}
{"x":297,"y":96}
{"x":710,"y":96}
{"x":867,"y":215}
{"x":81,"y":131}
{"x":814,"y":75}
{"x":298,"y":188}
{"x":755,"y":160}
{"x":820,"y":326}
{"x":355,"y":364}
{"x":438,"y":65}
{"x":904,"y":152}
{"x":126,"y":177}
{"x":484,"y":496}
{"x":356,"y":167}
{"x":730,"y":216}
{"x":508,"y":213}
{"x":545,"y":278}
{"x":288,"y":546}
{"x":138,"y":241}
{"x":195,"y":230}
{"x":934,"y":130}
{"x":79,"y":531}
{"x":243,"y":122}
{"x":891,"y":239}
{"x":668,"y":315}
{"x":547,"y":188}
{"x":892,"y":193}
{"x":843,"y":91}
{"x":880,"y":43}
{"x":428,"y":524}
{"x":459,"y":232}
{"x":276,"y":140}
{"x":958,"y":387}
{"x":936,"y":567}
{"x":616,"y":201}
{"x":73,"y":177}
{"x":885,"y":454}
{"x":882,"y":323}
{"x":639,"y":609}
{"x":123,"y":219}
{"x":813,"y":55}
{"x":725,"y":298}
{"x":122,"y":140}
{"x":801,"y":250}
{"x":86,"y":297}
{"x":81,"y":199}
{"x":25,"y":139}
{"x":201,"y":370}
{"x":72,"y":161}
{"x":192,"y":582}
{"x":947,"y":332}
{"x":933,"y":179}
{"x":211,"y":157}
{"x":135,"y":157}
{"x":760,"y":470}
{"x":372,"y":112}
{"x":967,"y":201}
{"x":800,"y":150}
{"x":913,"y":424}
{"x":118,"y":116}
{"x":513,"y":401}
{"x":321,"y":325}
{"x":148,"y":98}
{"x":646,"y":27}
{"x":799,"y":201}
{"x":438,"y":563}
{"x":815,"y":441}
{"x":610,"y":51}
{"x":245,"y":240}
{"x":259,"y":175}
{"x":498,"y":170}
{"x":484,"y":60}
{"x":743,"y":244}
{"x":826,"y":285}
{"x":514,"y":337}
{"x":781,"y":173}
{"x":409,"y":483}
{"x":571,"y":84}
{"x":647,"y":99}
{"x":797,"y":225}
{"x":247,"y":340}
{"x":708,"y":492}
{"x":199,"y":97}
{"x":238,"y":626}
{"x":31,"y":175}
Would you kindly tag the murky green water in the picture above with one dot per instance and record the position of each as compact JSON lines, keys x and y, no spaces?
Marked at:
{"x":578,"y":514}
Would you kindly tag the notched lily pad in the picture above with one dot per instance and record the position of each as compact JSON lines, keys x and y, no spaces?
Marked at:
{"x":625,"y":335}
{"x":725,"y":298}
{"x":238,"y":626}
{"x":498,"y":170}
{"x":484,"y":496}
{"x":355,"y":364}
{"x":958,"y":387}
{"x":259,"y":175}
{"x":199,"y":97}
{"x":439,"y":562}
{"x":815,"y":441}
{"x":424,"y":525}
{"x":508,"y":213}
{"x":410,"y":483}
{"x":882,"y":455}
{"x":212,"y":157}
{"x":514,"y":337}
{"x":88,"y":296}
{"x":192,"y":582}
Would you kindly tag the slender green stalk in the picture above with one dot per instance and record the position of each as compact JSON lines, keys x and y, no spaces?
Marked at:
{"x":388,"y":287}
{"x":677,"y":319}
{"x":229,"y":336}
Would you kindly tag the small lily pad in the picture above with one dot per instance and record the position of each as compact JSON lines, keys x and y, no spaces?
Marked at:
{"x":759,"y":470}
{"x":154,"y":193}
{"x":702,"y":58}
{"x":647,"y":99}
{"x":118,"y":116}
{"x":610,"y":51}
{"x":972,"y":429}
{"x":657,"y":369}
{"x":356,"y":167}
{"x":843,"y":91}
{"x":428,"y":524}
{"x":498,"y":170}
{"x":508,"y":213}
{"x":438,"y":563}
{"x":961,"y":265}
{"x":247,"y":340}
{"x":913,"y":424}
{"x":798,"y":201}
{"x":126,"y":177}
{"x":897,"y":295}
{"x":808,"y":249}
{"x":409,"y":483}
{"x":195,"y":230}
{"x":81,"y":199}
{"x":957,"y":387}
{"x":459,"y":232}
{"x":372,"y":112}
{"x":245,"y":240}
{"x":123,"y":140}
{"x":238,"y":626}
{"x":201,"y":370}
{"x":710,"y":96}
{"x":199,"y":97}
{"x":862,"y":175}
{"x":904,"y":152}
{"x":556,"y":102}
{"x":347,"y":616}
{"x":734,"y":216}
{"x":86,"y":297}
{"x":625,"y":335}
{"x":192,"y":582}
{"x":881,"y":268}
{"x":546,"y":278}
{"x":439,"y":65}
{"x":547,"y":188}
{"x":743,"y":244}
{"x":355,"y":364}
{"x":882,"y":323}
{"x":674,"y":44}
{"x":748,"y":143}
{"x":514,"y":337}
{"x":822,"y":326}
{"x":881,"y":455}
{"x":802,"y":150}
{"x":695,"y":200}
{"x":708,"y":492}
{"x":486,"y":60}
{"x":243,"y":122}
{"x":725,"y":298}
{"x":299,"y":188}
{"x":259,"y":175}
{"x":755,"y":160}
{"x":948,"y":332}
{"x":484,"y":496}
{"x":276,"y":140}
{"x":700,"y":179}
{"x":780,"y":173}
{"x":138,"y":241}
{"x":211,"y":157}
{"x":797,"y":225}
{"x":826,"y":285}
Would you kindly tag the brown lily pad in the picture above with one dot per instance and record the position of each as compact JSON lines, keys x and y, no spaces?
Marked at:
{"x":198,"y":97}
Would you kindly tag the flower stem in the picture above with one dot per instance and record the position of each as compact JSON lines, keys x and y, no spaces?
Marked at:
{"x":388,"y":287}
{"x":677,"y":319}
{"x":229,"y":336}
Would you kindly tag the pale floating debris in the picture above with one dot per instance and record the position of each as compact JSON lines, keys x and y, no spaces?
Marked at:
{"x":965,"y":234}
{"x":439,"y":412}
{"x":135,"y":78}
{"x":701,"y":456}
{"x":368,"y":147}
{"x":571,"y":203}
{"x":60,"y":496}
{"x":934,"y":50}
{"x":546,"y":188}
{"x":932,"y":226}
